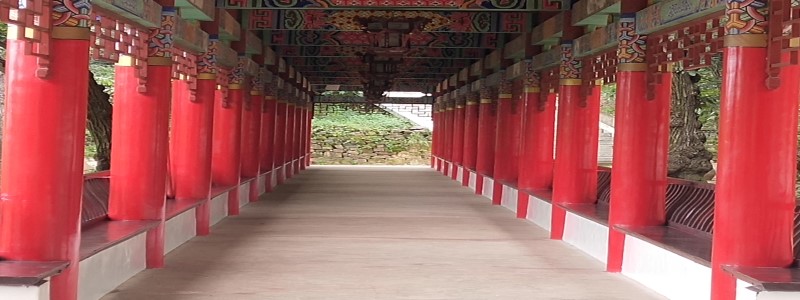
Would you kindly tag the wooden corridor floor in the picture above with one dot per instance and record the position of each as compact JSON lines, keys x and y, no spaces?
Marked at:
{"x":377,"y":233}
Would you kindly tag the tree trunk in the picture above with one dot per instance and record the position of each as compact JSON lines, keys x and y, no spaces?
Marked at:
{"x":688,"y":156}
{"x":99,"y":123}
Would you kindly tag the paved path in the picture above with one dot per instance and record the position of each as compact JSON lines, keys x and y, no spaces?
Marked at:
{"x":377,"y":233}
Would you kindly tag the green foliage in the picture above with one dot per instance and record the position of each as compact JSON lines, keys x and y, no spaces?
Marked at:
{"x":362,"y":130}
{"x":608,"y":98}
{"x":352,"y":119}
{"x":104,"y":75}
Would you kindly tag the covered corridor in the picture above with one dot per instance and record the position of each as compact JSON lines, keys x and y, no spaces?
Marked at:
{"x":377,"y":233}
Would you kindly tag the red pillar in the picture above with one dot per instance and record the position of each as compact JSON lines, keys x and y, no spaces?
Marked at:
{"x":267,"y":139}
{"x":138,"y":160}
{"x":447,"y":145}
{"x":470,"y":151}
{"x":252,"y":139}
{"x":487,"y":123}
{"x":190,"y":145}
{"x":755,"y":197}
{"x":298,"y":137}
{"x":43,"y":138}
{"x":301,"y":152}
{"x":575,"y":169}
{"x":506,"y":152}
{"x":289,"y":140}
{"x":641,"y":144}
{"x":309,"y":132}
{"x":536,"y":142}
{"x":251,"y":129}
{"x":436,"y":116}
{"x":280,"y":138}
{"x":226,"y":154}
{"x":458,"y":136}
{"x":537,"y":138}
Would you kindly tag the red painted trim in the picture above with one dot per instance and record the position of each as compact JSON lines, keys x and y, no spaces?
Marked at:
{"x":616,"y":246}
{"x":203,"y":218}
{"x":478,"y":184}
{"x":755,"y":200}
{"x":559,"y":216}
{"x":465,"y":177}
{"x":497,"y":193}
{"x":522,"y":204}
{"x":233,"y":202}
{"x":43,"y":138}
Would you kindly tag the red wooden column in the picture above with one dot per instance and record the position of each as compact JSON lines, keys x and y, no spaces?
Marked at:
{"x":141,"y":126}
{"x":641,"y":141}
{"x":458,"y":133}
{"x":506,"y":153}
{"x":298,"y":134}
{"x":280,"y":137}
{"x":575,"y":169}
{"x":438,"y":132}
{"x":470,"y":151}
{"x":190,"y":143}
{"x":301,"y":121}
{"x":266,"y":153}
{"x":447,"y":145}
{"x":43,"y":142}
{"x":755,"y":197}
{"x":536,"y":141}
{"x":309,"y":132}
{"x":487,"y":123}
{"x":251,"y":137}
{"x":226,"y":154}
{"x":290,"y":137}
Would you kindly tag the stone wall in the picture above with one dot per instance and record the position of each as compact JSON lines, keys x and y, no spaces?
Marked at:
{"x":341,"y":146}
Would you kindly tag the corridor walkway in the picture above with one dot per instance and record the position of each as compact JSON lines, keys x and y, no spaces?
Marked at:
{"x":377,"y":233}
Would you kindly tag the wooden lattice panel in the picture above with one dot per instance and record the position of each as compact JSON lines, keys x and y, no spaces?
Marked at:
{"x":784,"y":38}
{"x":112,"y":38}
{"x":35,"y":16}
{"x":692,"y":46}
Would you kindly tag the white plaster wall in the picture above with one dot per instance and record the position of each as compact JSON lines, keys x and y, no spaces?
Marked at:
{"x":665,"y":272}
{"x":274,"y":177}
{"x":586,"y":235}
{"x":509,"y":199}
{"x":488,"y":187}
{"x":14,"y":292}
{"x":244,"y":193}
{"x":744,"y":293}
{"x":459,"y":174}
{"x":219,"y":208}
{"x":777,"y":296}
{"x":103,"y":272}
{"x":540,"y":212}
{"x":473,"y":180}
{"x":179,"y":230}
{"x":262,"y":184}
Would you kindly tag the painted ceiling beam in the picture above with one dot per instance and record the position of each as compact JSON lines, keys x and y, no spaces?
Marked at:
{"x":347,"y":21}
{"x":358,"y":51}
{"x":458,"y":5}
{"x":353,"y":38}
